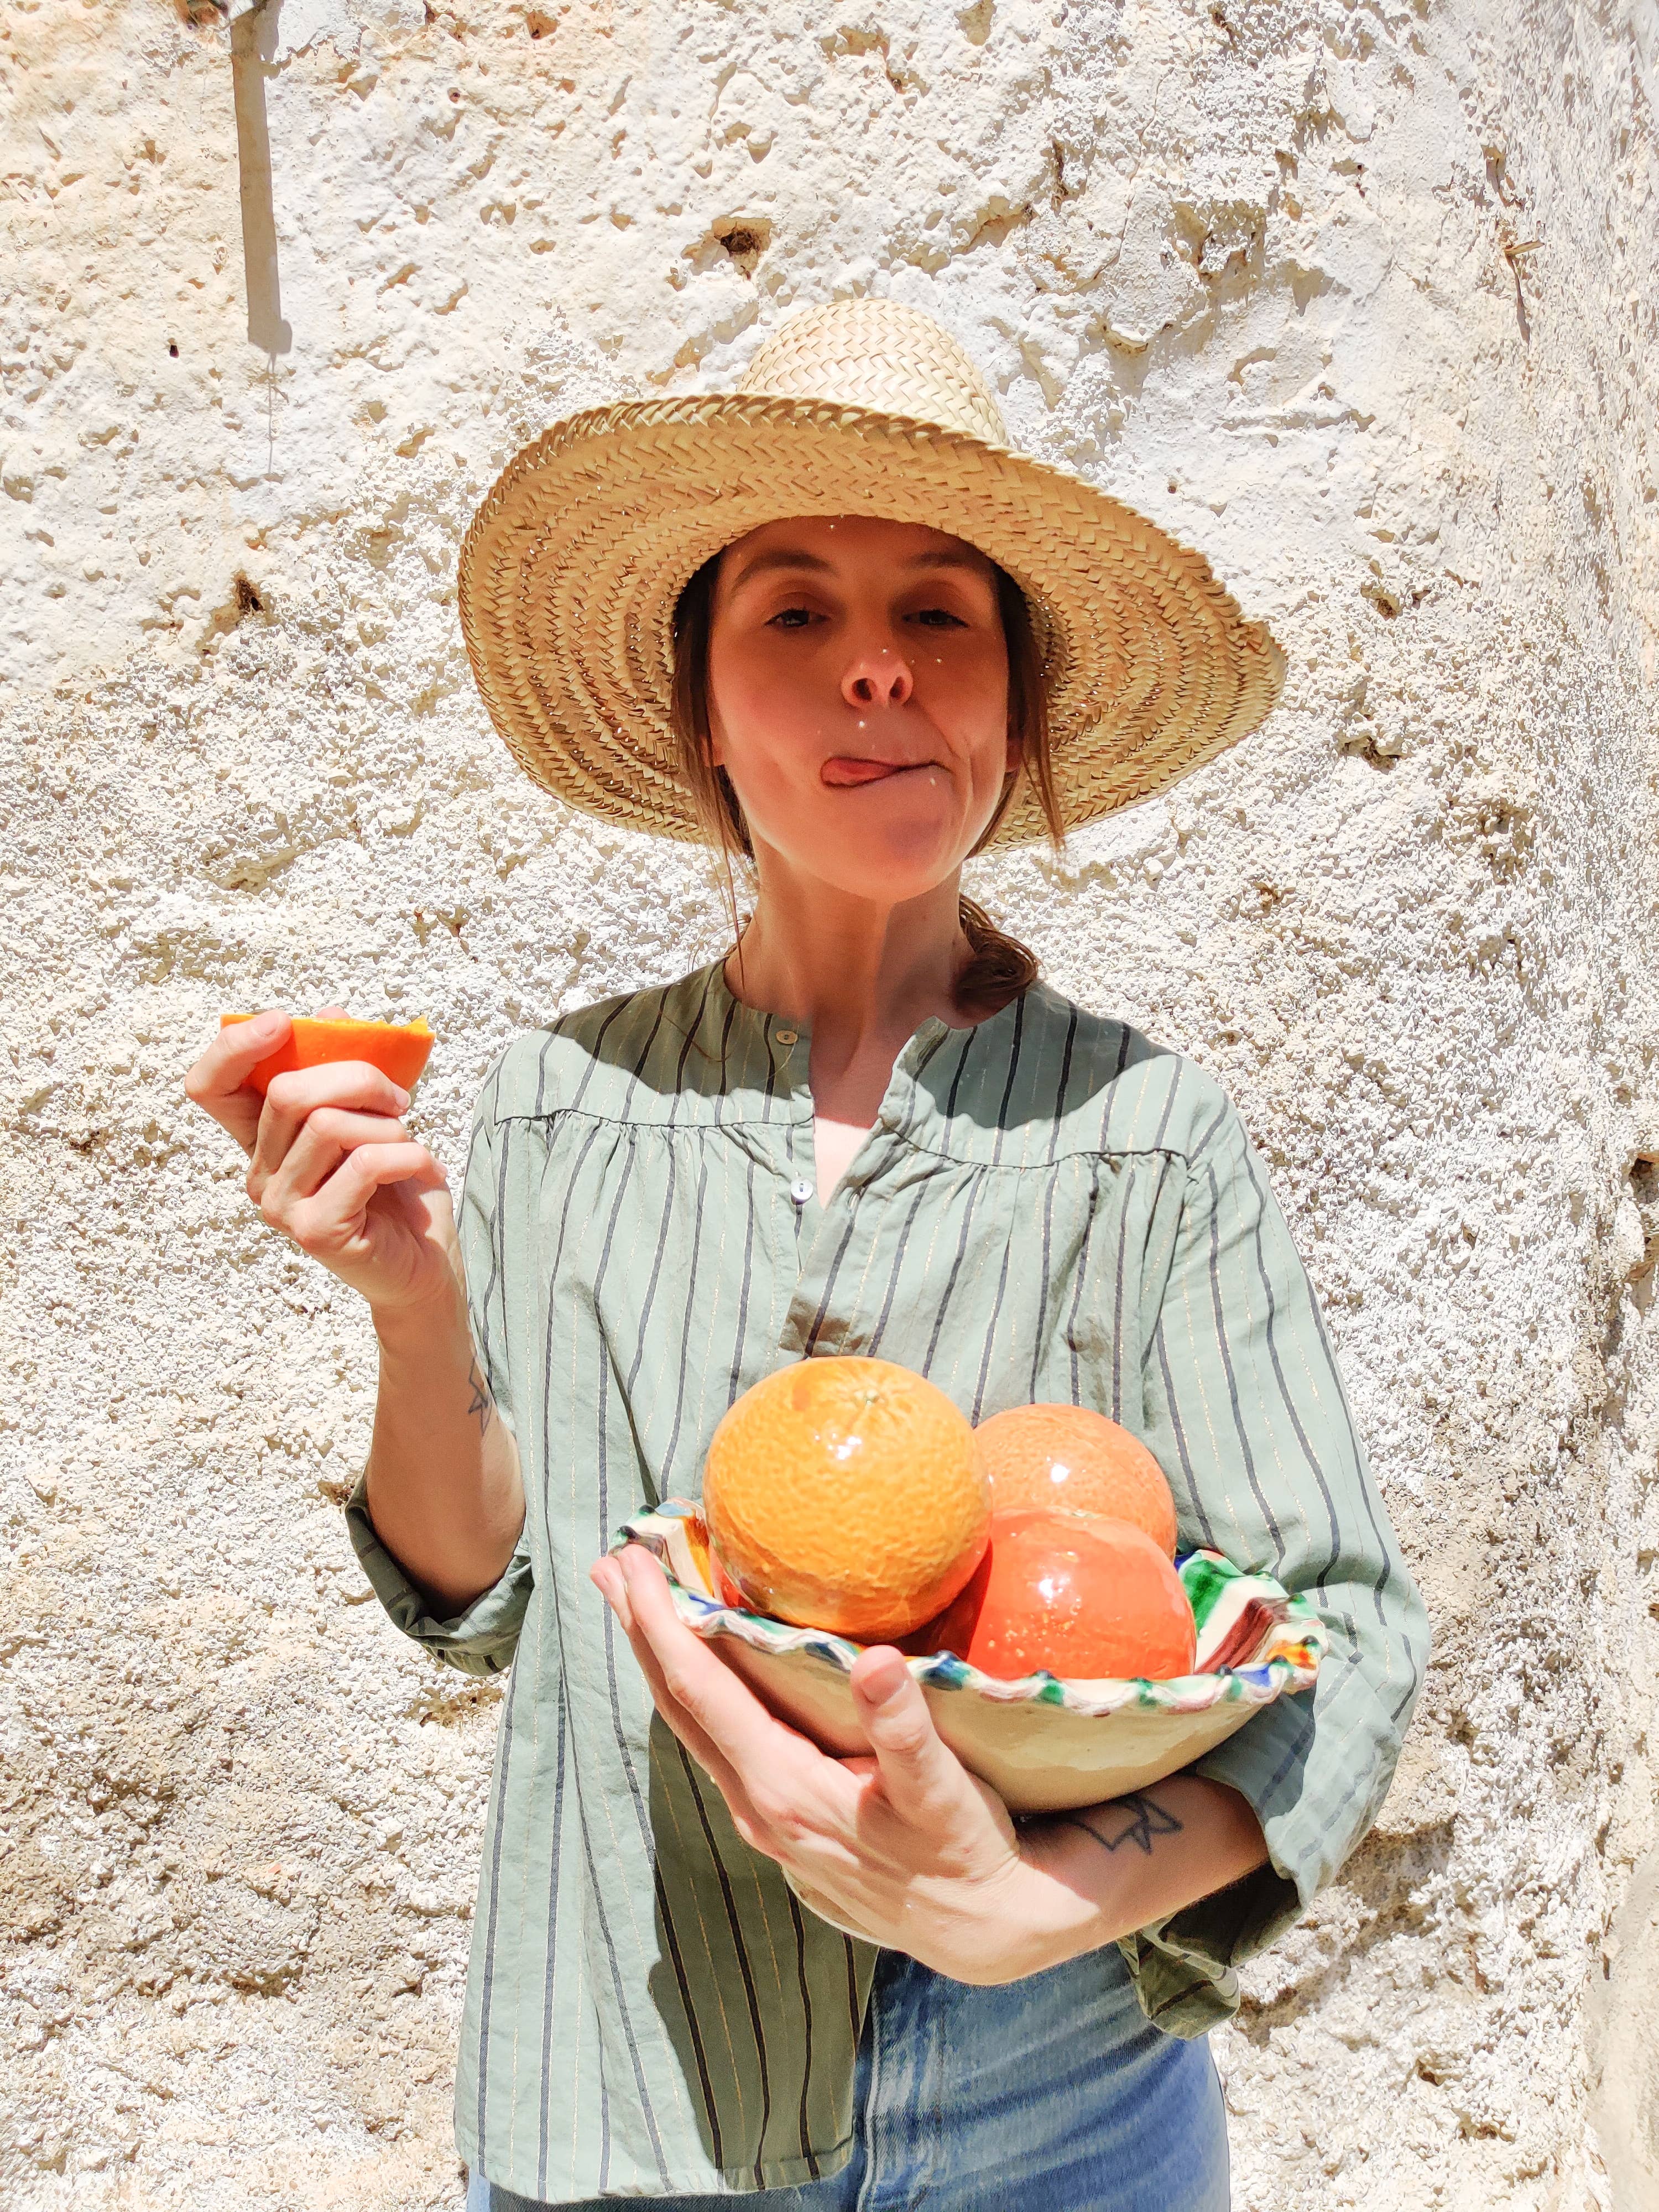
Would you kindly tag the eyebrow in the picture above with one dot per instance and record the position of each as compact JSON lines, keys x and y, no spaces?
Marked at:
{"x":783,"y":558}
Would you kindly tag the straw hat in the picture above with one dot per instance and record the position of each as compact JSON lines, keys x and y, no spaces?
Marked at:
{"x":571,"y":567}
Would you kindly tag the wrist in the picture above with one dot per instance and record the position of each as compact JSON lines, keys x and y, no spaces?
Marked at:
{"x":423,"y":1326}
{"x":1048,"y":1920}
{"x":1089,"y":1896}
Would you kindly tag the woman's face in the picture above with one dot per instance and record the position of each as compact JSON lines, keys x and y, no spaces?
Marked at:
{"x":857,"y":698}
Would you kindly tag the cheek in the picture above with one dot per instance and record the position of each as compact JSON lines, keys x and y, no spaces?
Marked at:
{"x":965,"y":695}
{"x":758,"y":702}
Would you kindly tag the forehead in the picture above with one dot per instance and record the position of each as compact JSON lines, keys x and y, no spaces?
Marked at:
{"x":846,"y":542}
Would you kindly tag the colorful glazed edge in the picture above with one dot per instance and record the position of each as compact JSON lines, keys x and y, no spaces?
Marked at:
{"x":1236,"y":1612}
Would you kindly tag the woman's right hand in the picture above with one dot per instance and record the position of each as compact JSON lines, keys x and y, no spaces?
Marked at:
{"x":331,"y":1166}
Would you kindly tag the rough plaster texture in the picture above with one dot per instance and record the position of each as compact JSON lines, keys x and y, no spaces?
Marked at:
{"x":1267,"y":267}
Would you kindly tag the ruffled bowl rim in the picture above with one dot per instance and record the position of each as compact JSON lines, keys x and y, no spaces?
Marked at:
{"x":1243,"y":1612}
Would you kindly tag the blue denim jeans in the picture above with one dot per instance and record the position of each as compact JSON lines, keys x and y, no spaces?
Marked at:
{"x":1054,"y":2093}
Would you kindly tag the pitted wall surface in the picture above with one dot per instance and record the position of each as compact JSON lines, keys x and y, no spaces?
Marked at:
{"x":1359,"y":299}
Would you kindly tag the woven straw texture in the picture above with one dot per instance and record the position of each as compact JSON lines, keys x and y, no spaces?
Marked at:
{"x":571,"y":567}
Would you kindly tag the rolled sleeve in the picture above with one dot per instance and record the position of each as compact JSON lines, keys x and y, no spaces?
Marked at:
{"x":480,"y":1640}
{"x":1246,"y":1410}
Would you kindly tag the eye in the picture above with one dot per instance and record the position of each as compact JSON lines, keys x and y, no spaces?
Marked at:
{"x":938,"y":618}
{"x":791,"y":618}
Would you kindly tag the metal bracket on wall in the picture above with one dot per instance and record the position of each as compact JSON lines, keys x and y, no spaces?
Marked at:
{"x":252,"y":44}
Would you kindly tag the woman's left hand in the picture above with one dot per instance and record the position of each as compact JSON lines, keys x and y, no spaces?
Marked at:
{"x":904,"y":1848}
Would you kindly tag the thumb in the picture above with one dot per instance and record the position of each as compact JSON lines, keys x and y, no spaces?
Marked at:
{"x":922,"y":1779}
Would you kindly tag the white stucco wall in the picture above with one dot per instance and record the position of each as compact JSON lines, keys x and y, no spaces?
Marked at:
{"x":1244,"y":263}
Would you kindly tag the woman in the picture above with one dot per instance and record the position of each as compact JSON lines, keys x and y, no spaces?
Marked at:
{"x":832,"y":623}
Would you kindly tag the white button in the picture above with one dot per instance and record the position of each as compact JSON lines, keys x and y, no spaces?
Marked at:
{"x":800,"y":1191}
{"x":789,"y":1036}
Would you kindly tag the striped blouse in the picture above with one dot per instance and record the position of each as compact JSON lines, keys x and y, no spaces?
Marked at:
{"x":1049,"y":1206}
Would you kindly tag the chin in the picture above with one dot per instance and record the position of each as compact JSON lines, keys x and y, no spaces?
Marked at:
{"x":890,"y":861}
{"x":883,"y":886}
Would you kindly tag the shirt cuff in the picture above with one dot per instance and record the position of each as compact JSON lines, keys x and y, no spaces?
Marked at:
{"x":1184,"y":1966}
{"x":1266,"y":1763}
{"x":482,"y":1640}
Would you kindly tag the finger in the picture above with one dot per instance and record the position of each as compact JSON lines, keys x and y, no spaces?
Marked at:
{"x":802,"y":1798}
{"x":832,"y":1910}
{"x":298,"y":1092}
{"x":721,"y":1703}
{"x":607,"y":1578}
{"x":678,"y":1717}
{"x":924,"y":1781}
{"x":607,"y":1574}
{"x":746,"y":1817}
{"x":329,"y":1224}
{"x":324,"y":1139}
{"x":749,"y":1821}
{"x":217,"y":1080}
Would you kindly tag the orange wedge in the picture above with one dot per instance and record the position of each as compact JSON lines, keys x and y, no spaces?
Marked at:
{"x":399,"y":1051}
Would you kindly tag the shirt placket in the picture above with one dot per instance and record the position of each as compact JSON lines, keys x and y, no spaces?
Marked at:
{"x":830,"y":1242}
{"x":791,"y":1050}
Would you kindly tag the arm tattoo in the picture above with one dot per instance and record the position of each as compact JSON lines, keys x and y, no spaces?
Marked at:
{"x":1146,"y":1818}
{"x":483,"y":1404}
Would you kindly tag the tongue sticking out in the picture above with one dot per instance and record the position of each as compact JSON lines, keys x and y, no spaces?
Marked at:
{"x":844,"y":769}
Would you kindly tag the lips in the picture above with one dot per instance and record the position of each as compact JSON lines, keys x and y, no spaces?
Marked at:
{"x":846,"y":771}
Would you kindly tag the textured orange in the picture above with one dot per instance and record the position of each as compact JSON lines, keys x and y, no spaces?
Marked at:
{"x":1073,"y":1461}
{"x":846,"y":1494}
{"x":1086,"y":1598}
{"x":400,"y":1052}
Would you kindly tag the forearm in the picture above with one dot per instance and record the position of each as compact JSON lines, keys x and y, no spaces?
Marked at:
{"x":1111,"y":1868}
{"x":442,"y":1480}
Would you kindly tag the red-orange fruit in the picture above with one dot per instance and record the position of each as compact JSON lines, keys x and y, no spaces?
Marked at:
{"x":399,"y":1051}
{"x":1067,"y":1459}
{"x":1083,"y":1597}
{"x":845,"y":1494}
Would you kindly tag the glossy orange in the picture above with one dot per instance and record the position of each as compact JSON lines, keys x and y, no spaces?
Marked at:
{"x":1083,"y":1597}
{"x":400,"y":1052}
{"x":845,"y":1494}
{"x":1067,"y":1459}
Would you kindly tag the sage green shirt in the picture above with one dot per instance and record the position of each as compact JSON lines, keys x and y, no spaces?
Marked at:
{"x":1049,"y":1206}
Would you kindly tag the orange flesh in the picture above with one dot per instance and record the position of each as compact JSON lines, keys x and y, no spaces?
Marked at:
{"x":400,"y":1052}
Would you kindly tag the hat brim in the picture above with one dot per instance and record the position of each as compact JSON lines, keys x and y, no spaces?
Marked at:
{"x":570,"y":570}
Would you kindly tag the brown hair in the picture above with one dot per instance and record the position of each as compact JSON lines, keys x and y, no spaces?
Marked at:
{"x":999,"y":967}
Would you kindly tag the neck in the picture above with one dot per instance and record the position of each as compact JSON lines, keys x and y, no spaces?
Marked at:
{"x":862,"y":974}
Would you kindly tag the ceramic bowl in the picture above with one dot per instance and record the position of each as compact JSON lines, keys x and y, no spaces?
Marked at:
{"x":1044,"y":1745}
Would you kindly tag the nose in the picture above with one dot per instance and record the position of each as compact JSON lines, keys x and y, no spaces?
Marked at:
{"x":876,"y":676}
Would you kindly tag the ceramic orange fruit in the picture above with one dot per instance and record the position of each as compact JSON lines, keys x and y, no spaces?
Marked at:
{"x":398,"y":1052}
{"x":845,"y":1494}
{"x":1085,"y":1597}
{"x":1071,"y":1460}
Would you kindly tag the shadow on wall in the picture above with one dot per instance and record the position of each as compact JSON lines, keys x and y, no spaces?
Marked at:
{"x":252,"y":43}
{"x":1622,"y":2051}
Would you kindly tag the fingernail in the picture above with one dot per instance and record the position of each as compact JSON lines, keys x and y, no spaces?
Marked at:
{"x":403,"y":1096}
{"x":886,"y":1678}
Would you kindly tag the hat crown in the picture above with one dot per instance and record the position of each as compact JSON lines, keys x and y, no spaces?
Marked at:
{"x":878,"y":354}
